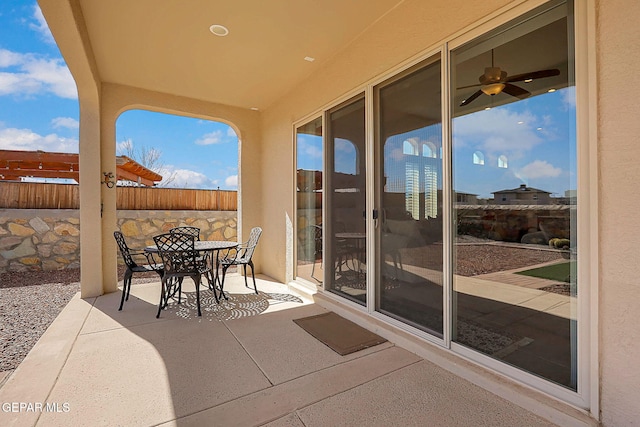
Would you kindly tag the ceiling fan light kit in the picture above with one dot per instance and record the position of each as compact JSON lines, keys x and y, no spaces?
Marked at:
{"x":493,"y":88}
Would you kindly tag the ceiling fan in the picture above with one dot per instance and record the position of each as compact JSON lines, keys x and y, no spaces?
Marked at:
{"x":495,"y":81}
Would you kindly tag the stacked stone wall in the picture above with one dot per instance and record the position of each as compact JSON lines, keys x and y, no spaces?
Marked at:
{"x":49,"y":239}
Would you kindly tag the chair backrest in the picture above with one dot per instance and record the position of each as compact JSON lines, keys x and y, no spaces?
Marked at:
{"x":317,"y":236}
{"x":124,"y":250}
{"x":193,"y":231}
{"x":178,"y":253}
{"x":250,"y":246}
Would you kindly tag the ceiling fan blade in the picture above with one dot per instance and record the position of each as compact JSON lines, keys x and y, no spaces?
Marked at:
{"x":468,"y":86}
{"x":516,"y":91}
{"x":471,"y":98}
{"x":533,"y":75}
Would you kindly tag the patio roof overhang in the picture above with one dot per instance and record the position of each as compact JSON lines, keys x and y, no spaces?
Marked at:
{"x":168,"y":47}
{"x":15,"y":165}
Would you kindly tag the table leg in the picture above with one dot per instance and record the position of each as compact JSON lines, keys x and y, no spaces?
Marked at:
{"x":217,"y":277}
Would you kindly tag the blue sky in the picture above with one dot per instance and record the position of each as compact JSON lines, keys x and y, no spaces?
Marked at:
{"x":39,"y":110}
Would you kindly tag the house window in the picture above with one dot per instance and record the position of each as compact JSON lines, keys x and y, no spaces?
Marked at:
{"x":410,"y":147}
{"x":503,"y":162}
{"x":478,"y":158}
{"x":429,"y":150}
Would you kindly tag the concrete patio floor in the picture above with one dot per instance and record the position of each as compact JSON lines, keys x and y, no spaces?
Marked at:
{"x":243,"y":363}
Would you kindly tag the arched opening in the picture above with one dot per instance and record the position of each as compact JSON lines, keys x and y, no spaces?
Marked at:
{"x":198,"y":162}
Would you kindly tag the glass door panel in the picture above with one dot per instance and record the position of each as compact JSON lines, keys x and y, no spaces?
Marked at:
{"x":514,"y":178}
{"x":345,"y":233}
{"x":409,"y":189}
{"x":309,"y":200}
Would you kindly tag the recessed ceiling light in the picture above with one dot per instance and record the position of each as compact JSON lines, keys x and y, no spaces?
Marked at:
{"x":551,"y":90}
{"x":528,"y":80}
{"x":487,"y":108}
{"x":520,"y":123}
{"x":539,"y":129}
{"x":310,"y":59}
{"x":219,"y":30}
{"x":254,"y":108}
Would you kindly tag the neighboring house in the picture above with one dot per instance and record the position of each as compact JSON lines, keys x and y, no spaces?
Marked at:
{"x":466,"y":198}
{"x":522,"y":195}
{"x":484,"y":91}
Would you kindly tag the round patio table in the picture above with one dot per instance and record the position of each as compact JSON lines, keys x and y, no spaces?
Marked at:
{"x":211,"y":246}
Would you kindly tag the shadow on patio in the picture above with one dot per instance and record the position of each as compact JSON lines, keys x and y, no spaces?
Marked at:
{"x":244,"y":362}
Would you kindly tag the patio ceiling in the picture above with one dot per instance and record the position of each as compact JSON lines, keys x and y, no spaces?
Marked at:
{"x":167,"y":46}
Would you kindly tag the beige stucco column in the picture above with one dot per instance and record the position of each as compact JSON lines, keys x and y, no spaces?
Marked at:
{"x":109,"y":209}
{"x":91,"y":250}
{"x":73,"y":41}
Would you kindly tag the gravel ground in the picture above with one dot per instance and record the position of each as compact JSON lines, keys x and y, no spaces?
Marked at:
{"x":472,"y":260}
{"x":30,"y":301}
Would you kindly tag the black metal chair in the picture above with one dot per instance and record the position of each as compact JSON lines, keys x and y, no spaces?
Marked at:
{"x":242,"y":256}
{"x":132,"y":266}
{"x":180,"y":260}
{"x":192,"y":231}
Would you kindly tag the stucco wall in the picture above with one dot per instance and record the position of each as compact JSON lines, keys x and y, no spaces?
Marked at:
{"x":619,"y":150}
{"x":49,"y":239}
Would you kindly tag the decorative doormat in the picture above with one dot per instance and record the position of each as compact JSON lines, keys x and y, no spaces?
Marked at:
{"x":341,"y":335}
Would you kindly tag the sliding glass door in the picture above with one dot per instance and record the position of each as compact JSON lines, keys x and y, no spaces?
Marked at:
{"x":309,"y":200}
{"x":514,"y":177}
{"x":471,"y":233}
{"x":409,"y":192}
{"x":346,"y":241}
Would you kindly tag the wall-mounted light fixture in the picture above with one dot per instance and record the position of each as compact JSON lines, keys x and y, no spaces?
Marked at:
{"x":109,"y":179}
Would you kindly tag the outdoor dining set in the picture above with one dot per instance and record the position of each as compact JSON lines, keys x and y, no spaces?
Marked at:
{"x":182,"y":254}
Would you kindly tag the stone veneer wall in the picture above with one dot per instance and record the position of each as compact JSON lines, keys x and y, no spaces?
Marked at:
{"x":49,"y":239}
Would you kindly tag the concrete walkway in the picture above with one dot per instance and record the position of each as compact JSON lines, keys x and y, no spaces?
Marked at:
{"x":243,"y":363}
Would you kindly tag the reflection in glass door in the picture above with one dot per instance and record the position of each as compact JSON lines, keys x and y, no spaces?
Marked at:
{"x":309,"y":200}
{"x":514,"y":177}
{"x":409,"y":192}
{"x":345,"y":237}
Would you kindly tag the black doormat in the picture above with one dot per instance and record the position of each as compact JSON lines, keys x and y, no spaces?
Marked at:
{"x":341,"y":335}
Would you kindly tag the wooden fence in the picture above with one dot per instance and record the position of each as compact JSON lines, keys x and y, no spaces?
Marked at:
{"x":28,"y":195}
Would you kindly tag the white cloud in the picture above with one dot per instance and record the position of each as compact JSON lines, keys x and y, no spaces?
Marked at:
{"x":397,"y":154}
{"x":9,"y":59}
{"x":214,"y":137}
{"x":65,"y":122}
{"x":231,"y":133}
{"x":27,"y":140}
{"x":32,"y":74}
{"x":41,"y":25}
{"x":510,"y":132}
{"x":539,"y":169}
{"x":231,"y":181}
{"x":124,"y":147}
{"x":344,"y":145}
{"x":569,"y":97}
{"x":185,"y":178}
{"x":309,"y":149}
